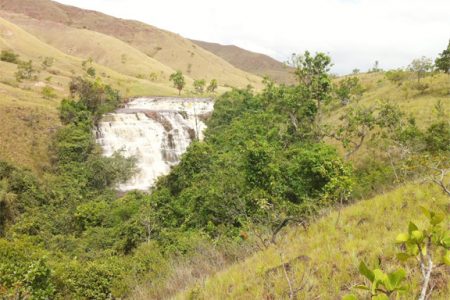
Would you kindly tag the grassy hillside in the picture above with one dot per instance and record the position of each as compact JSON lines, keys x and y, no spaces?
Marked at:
{"x":251,"y":62}
{"x":421,"y":104}
{"x":166,"y":47}
{"x":28,"y":117}
{"x":323,"y":259}
{"x":103,"y":49}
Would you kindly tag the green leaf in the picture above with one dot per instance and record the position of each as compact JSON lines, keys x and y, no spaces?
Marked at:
{"x":446,"y":258}
{"x":401,"y":238}
{"x":350,"y":297}
{"x":437,"y":218}
{"x":426,"y":212}
{"x":412,"y":227}
{"x":417,"y":236}
{"x":395,"y":278}
{"x":380,"y":297}
{"x":403,"y":256}
{"x":446,"y":241}
{"x":362,"y":287}
{"x":364,"y":270}
{"x":379,"y":275}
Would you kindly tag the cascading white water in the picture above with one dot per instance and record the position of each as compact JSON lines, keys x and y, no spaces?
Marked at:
{"x":157,"y":131}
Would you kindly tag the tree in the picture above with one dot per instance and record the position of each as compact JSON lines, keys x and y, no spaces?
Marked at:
{"x":178,"y":81}
{"x":312,"y":74}
{"x":421,"y":66}
{"x":443,"y":61}
{"x":376,"y":67}
{"x":212,"y":86}
{"x":199,"y":86}
{"x":347,"y":89}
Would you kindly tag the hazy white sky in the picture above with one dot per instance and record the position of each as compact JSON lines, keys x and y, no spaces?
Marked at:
{"x":354,"y":32}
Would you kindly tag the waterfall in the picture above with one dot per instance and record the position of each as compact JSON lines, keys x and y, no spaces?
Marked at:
{"x":157,"y":131}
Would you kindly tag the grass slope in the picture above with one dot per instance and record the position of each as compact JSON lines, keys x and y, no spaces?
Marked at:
{"x":251,"y":62}
{"x":27,"y":118}
{"x":421,"y":106}
{"x":412,"y":101}
{"x":168,"y":48}
{"x":324,"y":258}
{"x":103,"y":49}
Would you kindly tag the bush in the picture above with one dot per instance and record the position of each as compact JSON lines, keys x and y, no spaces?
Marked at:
{"x":437,"y":137}
{"x":396,"y":76}
{"x":9,"y":56}
{"x":25,"y":70}
{"x":24,"y":272}
{"x":48,"y":92}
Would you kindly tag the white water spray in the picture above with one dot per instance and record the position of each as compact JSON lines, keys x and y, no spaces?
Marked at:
{"x":157,"y":131}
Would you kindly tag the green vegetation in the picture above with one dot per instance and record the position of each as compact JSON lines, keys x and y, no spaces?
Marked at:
{"x":178,"y":81}
{"x":421,"y":66}
{"x":422,"y":245}
{"x":199,"y":86}
{"x":25,"y":70}
{"x":322,"y":258}
{"x":442,"y":62}
{"x":9,"y":56}
{"x":273,"y":164}
{"x":212,"y":86}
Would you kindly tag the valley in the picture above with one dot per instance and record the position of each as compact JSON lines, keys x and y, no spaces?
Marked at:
{"x":136,"y":163}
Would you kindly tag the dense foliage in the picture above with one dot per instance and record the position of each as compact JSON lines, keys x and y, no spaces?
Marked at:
{"x":264,"y":164}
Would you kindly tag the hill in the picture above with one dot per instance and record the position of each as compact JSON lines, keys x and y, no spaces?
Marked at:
{"x":168,"y":48}
{"x":322,"y":260}
{"x":28,"y":116}
{"x":103,"y":49}
{"x":251,"y":62}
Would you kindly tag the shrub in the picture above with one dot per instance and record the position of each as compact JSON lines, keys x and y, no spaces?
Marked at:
{"x":48,"y":92}
{"x":396,"y":76}
{"x":437,"y":137}
{"x":9,"y":56}
{"x":23,"y":272}
{"x":25,"y":70}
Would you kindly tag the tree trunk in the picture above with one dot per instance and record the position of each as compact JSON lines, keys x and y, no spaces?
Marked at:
{"x":426,"y":280}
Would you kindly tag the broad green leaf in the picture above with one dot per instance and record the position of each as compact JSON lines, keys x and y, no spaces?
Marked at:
{"x":424,"y":250}
{"x":402,"y":237}
{"x":412,"y":227}
{"x":437,"y":218}
{"x":446,"y":240}
{"x":362,"y":287}
{"x":380,"y":297}
{"x":364,"y":270}
{"x":395,"y":278}
{"x":426,"y":212}
{"x":379,"y":275}
{"x":417,"y":235}
{"x":446,"y":258}
{"x":350,"y":297}
{"x":403,"y":256}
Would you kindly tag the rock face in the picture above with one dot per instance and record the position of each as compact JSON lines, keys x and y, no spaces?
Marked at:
{"x":157,"y":131}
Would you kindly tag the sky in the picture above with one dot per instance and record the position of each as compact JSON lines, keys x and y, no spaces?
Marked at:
{"x":355,"y":33}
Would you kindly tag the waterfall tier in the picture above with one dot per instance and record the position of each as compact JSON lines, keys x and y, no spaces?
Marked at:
{"x":157,"y":131}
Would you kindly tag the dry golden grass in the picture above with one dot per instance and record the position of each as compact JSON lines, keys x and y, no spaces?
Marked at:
{"x":323,"y":259}
{"x":166,"y":47}
{"x":27,"y":118}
